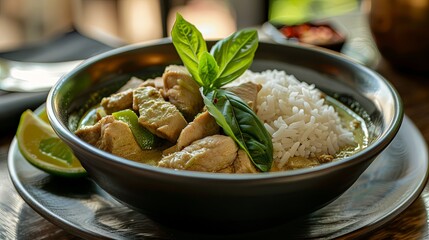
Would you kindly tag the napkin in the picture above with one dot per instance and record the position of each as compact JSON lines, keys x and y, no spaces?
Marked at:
{"x":69,"y":46}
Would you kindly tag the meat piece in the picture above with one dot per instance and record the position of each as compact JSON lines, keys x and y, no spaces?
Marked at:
{"x":92,"y":134}
{"x":132,"y":83}
{"x":229,"y":169}
{"x":118,"y":101}
{"x":203,"y":125}
{"x":112,"y":136}
{"x":123,"y":98}
{"x":182,"y":91}
{"x":210,"y":154}
{"x":157,"y":83}
{"x":157,"y":115}
{"x":147,"y":83}
{"x":248,"y":92}
{"x":325,"y":158}
{"x":243,"y":164}
{"x":169,"y":150}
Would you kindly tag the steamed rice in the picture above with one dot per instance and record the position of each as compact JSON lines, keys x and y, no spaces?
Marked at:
{"x":297,"y":117}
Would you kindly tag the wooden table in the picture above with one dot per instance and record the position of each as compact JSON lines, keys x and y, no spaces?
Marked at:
{"x":413,"y":223}
{"x":19,"y":221}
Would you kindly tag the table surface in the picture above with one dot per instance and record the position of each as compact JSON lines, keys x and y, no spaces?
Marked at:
{"x":412,"y":223}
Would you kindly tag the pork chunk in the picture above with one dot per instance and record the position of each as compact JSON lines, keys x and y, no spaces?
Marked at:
{"x":157,"y":83}
{"x":248,"y":92}
{"x":118,"y":101}
{"x":243,"y":164}
{"x":157,"y":115}
{"x":210,"y":154}
{"x":112,"y":136}
{"x":132,"y":83}
{"x":182,"y":91}
{"x":203,"y":125}
{"x":92,"y":134}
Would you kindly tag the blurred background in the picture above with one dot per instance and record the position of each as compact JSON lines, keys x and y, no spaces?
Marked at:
{"x":117,"y":22}
{"x":46,"y":31}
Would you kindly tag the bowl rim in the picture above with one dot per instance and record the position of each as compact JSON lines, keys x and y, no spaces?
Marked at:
{"x":369,"y":152}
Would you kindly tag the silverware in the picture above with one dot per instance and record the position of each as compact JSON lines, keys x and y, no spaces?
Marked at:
{"x":18,"y":76}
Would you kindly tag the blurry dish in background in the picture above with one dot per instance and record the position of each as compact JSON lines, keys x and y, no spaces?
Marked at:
{"x":359,"y":44}
{"x":308,"y":22}
{"x":292,"y":12}
{"x":340,"y":14}
{"x":318,"y":34}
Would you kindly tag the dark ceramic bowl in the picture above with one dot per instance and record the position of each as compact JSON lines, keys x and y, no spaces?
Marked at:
{"x":212,"y":199}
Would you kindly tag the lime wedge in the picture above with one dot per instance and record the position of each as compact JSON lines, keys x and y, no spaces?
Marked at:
{"x":39,"y":144}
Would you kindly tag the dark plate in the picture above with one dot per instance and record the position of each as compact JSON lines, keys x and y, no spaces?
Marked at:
{"x":391,"y":183}
{"x":218,"y":200}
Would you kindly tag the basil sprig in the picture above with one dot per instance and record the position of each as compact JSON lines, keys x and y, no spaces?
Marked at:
{"x":234,"y":55}
{"x":228,"y":59}
{"x":239,"y":122}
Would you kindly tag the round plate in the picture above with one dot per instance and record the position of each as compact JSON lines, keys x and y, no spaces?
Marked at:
{"x":392,"y":182}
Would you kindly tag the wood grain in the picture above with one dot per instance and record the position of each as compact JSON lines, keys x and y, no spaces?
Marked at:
{"x":18,"y":220}
{"x":414,"y":91}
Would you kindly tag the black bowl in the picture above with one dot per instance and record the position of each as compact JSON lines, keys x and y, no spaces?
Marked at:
{"x":212,"y":199}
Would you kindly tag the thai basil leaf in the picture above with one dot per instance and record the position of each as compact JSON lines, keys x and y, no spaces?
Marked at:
{"x":189,"y":44}
{"x":207,"y":68}
{"x":228,"y":59}
{"x":239,"y":122}
{"x":234,"y":55}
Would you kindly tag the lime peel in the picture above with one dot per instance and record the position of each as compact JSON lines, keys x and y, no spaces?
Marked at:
{"x":42,"y":148}
{"x":143,"y":137}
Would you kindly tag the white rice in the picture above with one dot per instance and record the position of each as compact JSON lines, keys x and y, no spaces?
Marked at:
{"x":296,"y":116}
